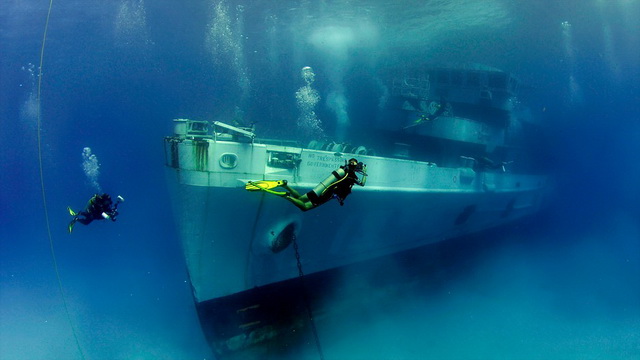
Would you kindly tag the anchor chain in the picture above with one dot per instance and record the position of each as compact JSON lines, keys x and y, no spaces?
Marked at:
{"x":306,"y":298}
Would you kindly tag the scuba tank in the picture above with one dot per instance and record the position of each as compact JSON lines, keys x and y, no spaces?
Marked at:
{"x":336,"y":175}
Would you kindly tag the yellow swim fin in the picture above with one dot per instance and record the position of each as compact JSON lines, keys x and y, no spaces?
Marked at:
{"x":71,"y":224}
{"x":266,"y":186}
{"x":263,"y":184}
{"x":71,"y":212}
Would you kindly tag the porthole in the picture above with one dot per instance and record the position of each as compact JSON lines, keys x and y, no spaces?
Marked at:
{"x":228,"y":160}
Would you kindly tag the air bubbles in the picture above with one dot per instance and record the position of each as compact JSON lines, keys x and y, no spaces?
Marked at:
{"x":308,"y":75}
{"x":130,"y":26}
{"x":307,"y":98}
{"x":30,"y":106}
{"x":225,"y":43}
{"x":91,"y":167}
{"x":30,"y":69}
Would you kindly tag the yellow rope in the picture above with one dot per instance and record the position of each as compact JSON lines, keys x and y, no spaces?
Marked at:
{"x":44,"y":197}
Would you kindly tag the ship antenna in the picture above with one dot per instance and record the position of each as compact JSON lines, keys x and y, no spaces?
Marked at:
{"x":44,"y":197}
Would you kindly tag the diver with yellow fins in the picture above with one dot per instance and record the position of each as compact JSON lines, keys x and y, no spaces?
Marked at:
{"x":99,"y":207}
{"x":338,"y":185}
{"x":435,"y":110}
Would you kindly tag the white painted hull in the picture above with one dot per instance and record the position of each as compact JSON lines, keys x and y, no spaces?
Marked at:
{"x":226,"y":231}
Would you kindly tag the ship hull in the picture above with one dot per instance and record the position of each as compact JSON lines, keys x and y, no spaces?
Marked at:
{"x":279,"y":320}
{"x":240,"y":246}
{"x":227,"y":233}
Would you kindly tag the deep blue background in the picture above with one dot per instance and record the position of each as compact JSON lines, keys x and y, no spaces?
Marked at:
{"x":563,"y":285}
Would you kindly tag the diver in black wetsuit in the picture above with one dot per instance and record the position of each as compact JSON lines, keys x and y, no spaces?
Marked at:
{"x":337,"y":186}
{"x":440,"y":107}
{"x":99,"y":207}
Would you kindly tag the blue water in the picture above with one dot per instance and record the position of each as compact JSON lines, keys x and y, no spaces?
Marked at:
{"x":563,"y":285}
